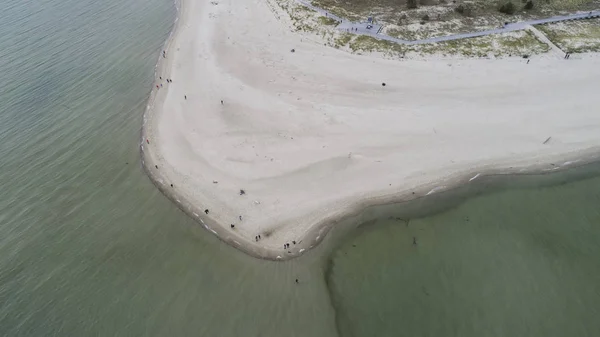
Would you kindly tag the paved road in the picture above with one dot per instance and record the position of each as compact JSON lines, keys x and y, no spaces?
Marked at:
{"x":361,"y":27}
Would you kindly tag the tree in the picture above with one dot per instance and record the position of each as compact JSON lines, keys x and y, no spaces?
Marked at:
{"x":411,"y":4}
{"x":529,"y":5}
{"x":507,"y":8}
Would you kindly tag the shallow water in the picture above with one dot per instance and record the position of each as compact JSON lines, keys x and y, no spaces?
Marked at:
{"x":519,"y":262}
{"x":88,"y":246}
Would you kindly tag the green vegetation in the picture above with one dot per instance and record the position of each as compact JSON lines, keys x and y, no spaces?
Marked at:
{"x":370,"y":44}
{"x":438,"y":17}
{"x":465,"y":10}
{"x":303,"y":27}
{"x":515,"y":43}
{"x":340,"y":10}
{"x":343,"y":40}
{"x":529,"y":5}
{"x":508,"y":8}
{"x":575,"y":36}
{"x":521,"y":43}
{"x":327,"y":21}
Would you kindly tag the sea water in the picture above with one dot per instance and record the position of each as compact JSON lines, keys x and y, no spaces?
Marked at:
{"x":88,"y":246}
{"x":516,"y":262}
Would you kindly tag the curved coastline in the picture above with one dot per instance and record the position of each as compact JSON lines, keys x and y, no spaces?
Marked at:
{"x":319,"y":229}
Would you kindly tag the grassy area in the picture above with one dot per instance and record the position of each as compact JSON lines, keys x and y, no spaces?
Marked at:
{"x":514,"y":43}
{"x":445,"y":17}
{"x":305,"y":19}
{"x":343,"y":40}
{"x":363,"y":8}
{"x":341,"y":10}
{"x":525,"y":43}
{"x":327,"y":21}
{"x":419,"y":31}
{"x":574,"y":36}
{"x":370,"y":44}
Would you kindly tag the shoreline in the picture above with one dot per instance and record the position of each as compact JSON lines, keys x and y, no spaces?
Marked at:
{"x":318,"y":229}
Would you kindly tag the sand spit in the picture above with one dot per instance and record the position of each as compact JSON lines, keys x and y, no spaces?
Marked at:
{"x":312,"y":136}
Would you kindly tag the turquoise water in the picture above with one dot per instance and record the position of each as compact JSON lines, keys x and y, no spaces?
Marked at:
{"x":88,"y":246}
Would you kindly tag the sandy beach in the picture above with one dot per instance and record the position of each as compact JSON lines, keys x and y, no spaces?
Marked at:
{"x":311,"y":136}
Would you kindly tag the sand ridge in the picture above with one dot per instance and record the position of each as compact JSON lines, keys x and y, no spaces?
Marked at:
{"x":312,"y":136}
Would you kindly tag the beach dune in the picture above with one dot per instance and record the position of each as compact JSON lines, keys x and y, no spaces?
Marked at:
{"x":313,"y":135}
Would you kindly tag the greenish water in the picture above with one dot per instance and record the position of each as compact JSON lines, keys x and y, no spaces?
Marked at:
{"x":519,"y":262}
{"x":89,"y":247}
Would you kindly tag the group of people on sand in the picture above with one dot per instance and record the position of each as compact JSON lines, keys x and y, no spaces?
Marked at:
{"x":287,"y":245}
{"x":242,"y":192}
{"x":158,"y":86}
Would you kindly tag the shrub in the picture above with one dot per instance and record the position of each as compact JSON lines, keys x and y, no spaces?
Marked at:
{"x":411,"y":4}
{"x":529,"y":5}
{"x":464,"y":10}
{"x":425,"y":18}
{"x":507,"y":8}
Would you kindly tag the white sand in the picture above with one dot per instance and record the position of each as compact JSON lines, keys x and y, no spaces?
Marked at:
{"x":313,"y":135}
